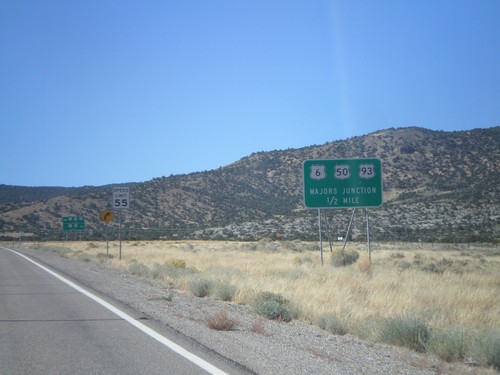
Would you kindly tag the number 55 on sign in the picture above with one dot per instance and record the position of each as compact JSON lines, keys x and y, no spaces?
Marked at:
{"x":121,"y":198}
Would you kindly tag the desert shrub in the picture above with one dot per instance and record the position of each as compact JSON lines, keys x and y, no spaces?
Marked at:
{"x":61,"y":251}
{"x":221,"y":321}
{"x":138,"y":269}
{"x":404,"y":265}
{"x":397,"y":255}
{"x":177,"y":263}
{"x":295,"y":274}
{"x":250,"y":246}
{"x":84,"y":257}
{"x":224,"y":292}
{"x":188,"y":246}
{"x":486,"y":349}
{"x":259,"y":327}
{"x":405,"y":331}
{"x":332,"y":324}
{"x":268,"y":246}
{"x":298,"y":260}
{"x":102,"y":257}
{"x":449,"y":345}
{"x":167,"y":298}
{"x":201,"y":287}
{"x":492,"y":350}
{"x":274,"y":306}
{"x":156,"y":271}
{"x":173,"y":269}
{"x":445,"y":262}
{"x":342,"y":258}
{"x":418,"y":259}
{"x":432,"y":267}
{"x":365,"y":265}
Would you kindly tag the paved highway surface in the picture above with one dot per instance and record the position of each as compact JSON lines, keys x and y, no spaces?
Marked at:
{"x":49,"y":327}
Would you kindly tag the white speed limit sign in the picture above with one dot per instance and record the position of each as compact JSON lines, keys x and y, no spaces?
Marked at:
{"x":121,"y":197}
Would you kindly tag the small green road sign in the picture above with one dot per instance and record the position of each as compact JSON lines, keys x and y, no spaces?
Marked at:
{"x":73,"y":223}
{"x":343,"y":183}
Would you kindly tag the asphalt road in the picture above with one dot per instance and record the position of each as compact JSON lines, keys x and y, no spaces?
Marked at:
{"x":49,"y":327}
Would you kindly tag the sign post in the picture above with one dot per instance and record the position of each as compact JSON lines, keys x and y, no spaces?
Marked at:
{"x":107,"y":216}
{"x":343,"y":183}
{"x":121,"y":201}
{"x":72,"y":223}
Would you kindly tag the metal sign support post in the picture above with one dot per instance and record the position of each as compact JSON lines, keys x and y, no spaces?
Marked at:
{"x":320,"y":239}
{"x":348,"y":229}
{"x":107,"y":239}
{"x":120,"y":233}
{"x":106,"y":216}
{"x":368,"y":235}
{"x":328,"y":233}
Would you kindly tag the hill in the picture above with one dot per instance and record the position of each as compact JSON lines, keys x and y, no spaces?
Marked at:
{"x":437,"y":186}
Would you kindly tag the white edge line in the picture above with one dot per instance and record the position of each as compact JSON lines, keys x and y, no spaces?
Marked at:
{"x":162,"y":339}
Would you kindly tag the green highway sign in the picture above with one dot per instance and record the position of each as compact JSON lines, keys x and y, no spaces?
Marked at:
{"x":73,"y":223}
{"x":343,"y":183}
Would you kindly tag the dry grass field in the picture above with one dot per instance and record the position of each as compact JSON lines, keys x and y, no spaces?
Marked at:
{"x":450,"y":288}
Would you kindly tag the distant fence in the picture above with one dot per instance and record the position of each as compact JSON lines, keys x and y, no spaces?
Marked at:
{"x":138,"y":234}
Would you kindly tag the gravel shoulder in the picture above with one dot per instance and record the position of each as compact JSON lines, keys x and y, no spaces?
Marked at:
{"x":259,"y":345}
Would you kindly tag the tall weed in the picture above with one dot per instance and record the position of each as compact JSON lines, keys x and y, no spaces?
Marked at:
{"x":450,"y":345}
{"x":406,"y":331}
{"x":486,"y":349}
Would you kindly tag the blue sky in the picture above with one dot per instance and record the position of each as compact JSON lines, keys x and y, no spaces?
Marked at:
{"x":98,"y":91}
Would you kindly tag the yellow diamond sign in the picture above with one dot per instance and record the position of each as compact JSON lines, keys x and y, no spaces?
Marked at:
{"x":107,"y":216}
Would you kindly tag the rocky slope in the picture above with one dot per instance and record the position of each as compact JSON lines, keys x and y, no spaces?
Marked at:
{"x":437,"y":186}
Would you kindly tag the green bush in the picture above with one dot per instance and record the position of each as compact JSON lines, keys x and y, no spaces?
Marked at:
{"x":201,"y":287}
{"x":342,"y":258}
{"x":406,"y":331}
{"x":332,"y":324}
{"x":274,"y":306}
{"x":450,"y":345}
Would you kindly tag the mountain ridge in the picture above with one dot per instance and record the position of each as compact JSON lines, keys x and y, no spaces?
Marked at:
{"x":437,"y":185}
